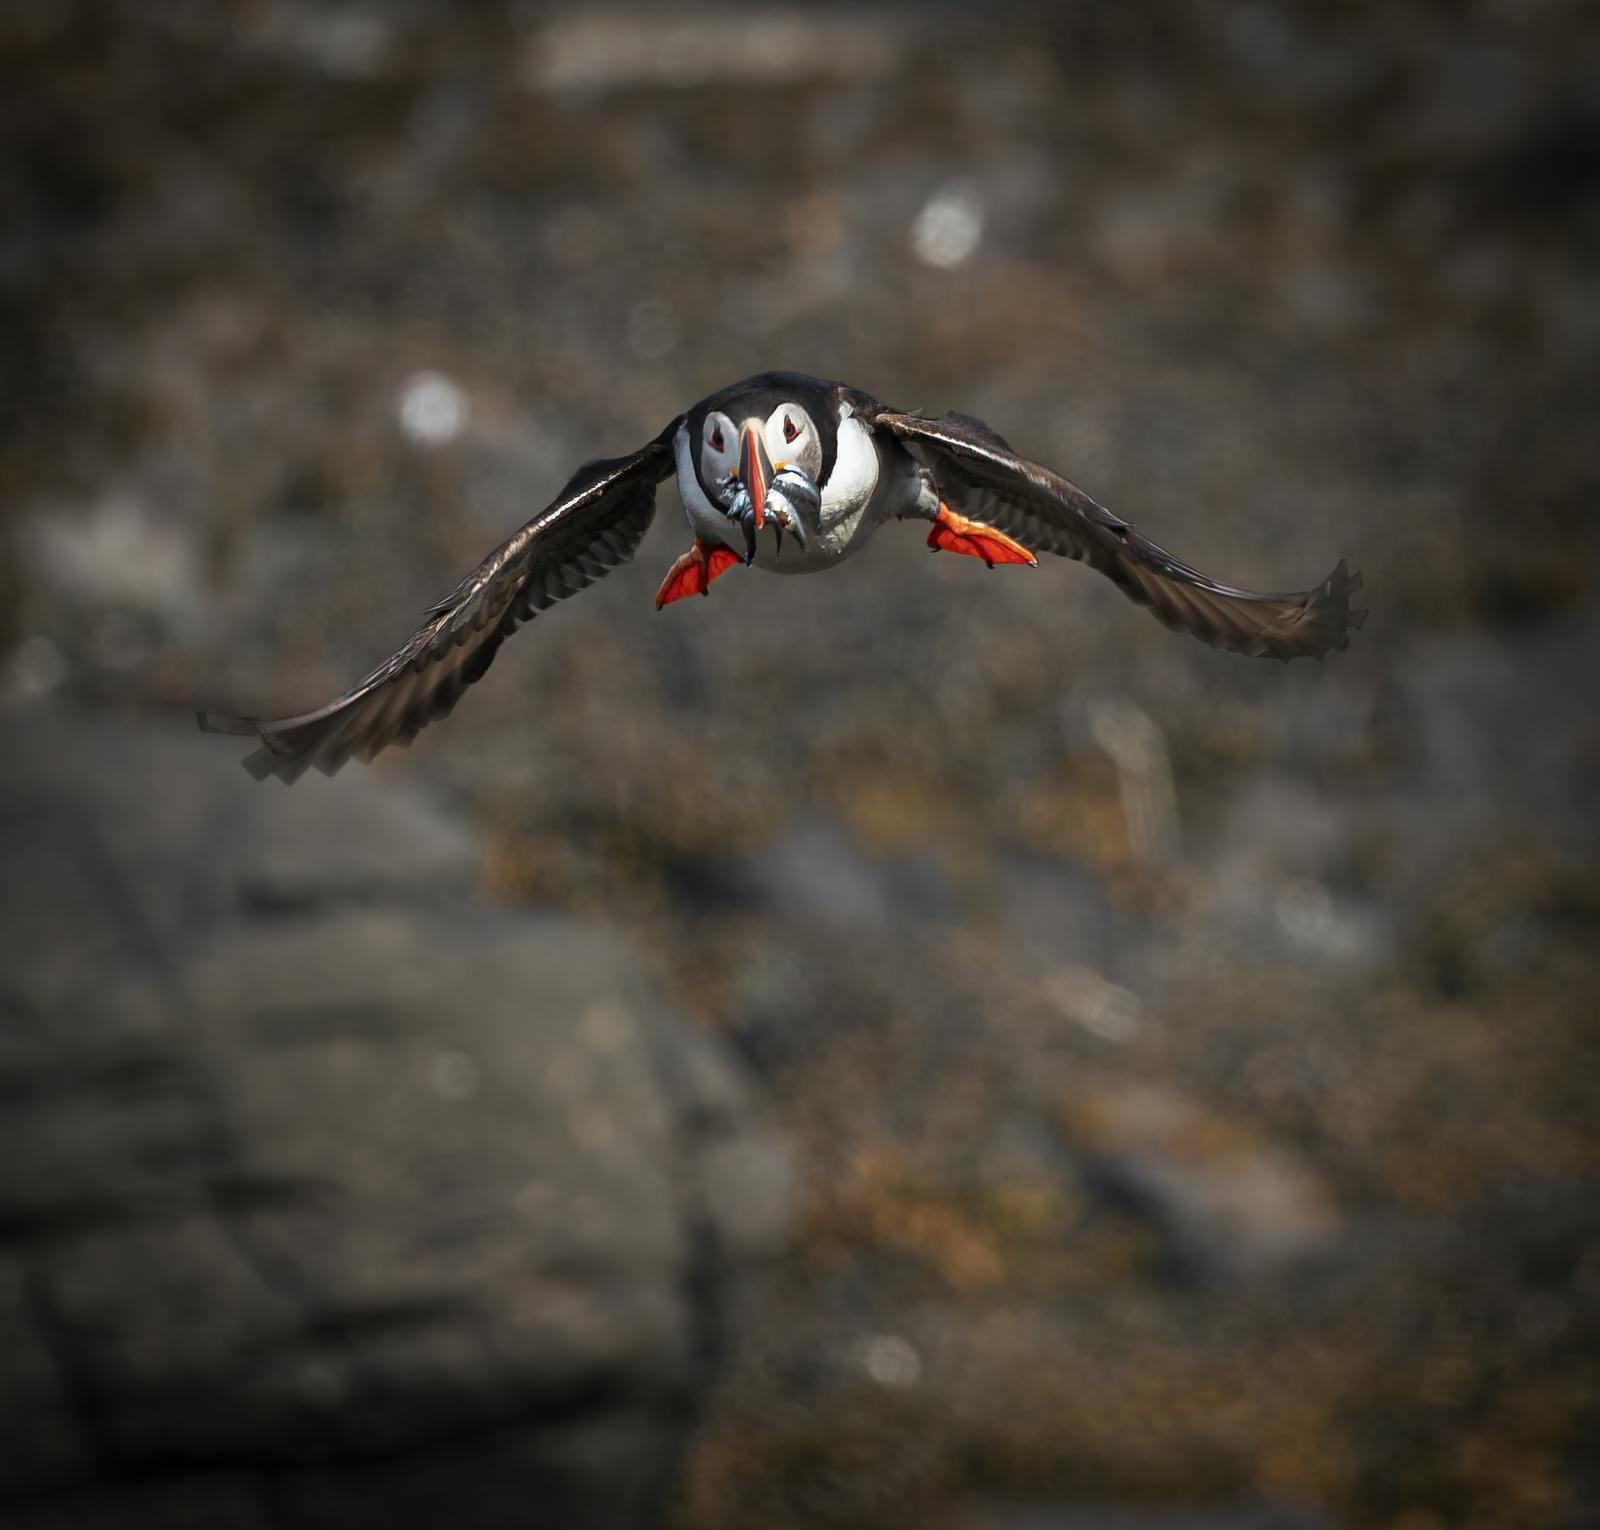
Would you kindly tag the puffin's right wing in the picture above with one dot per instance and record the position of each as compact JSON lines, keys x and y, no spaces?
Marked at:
{"x":974,"y":465}
{"x":594,"y":525}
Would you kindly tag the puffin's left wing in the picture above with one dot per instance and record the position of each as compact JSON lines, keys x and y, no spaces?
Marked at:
{"x":594,"y":525}
{"x":974,"y":465}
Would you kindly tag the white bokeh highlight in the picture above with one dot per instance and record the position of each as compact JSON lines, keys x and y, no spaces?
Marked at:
{"x":948,"y":230}
{"x":432,"y":409}
{"x":891,"y":1361}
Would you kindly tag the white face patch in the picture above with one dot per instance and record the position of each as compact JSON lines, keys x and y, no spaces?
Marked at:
{"x":791,"y":438}
{"x":707,"y":522}
{"x":719,"y":449}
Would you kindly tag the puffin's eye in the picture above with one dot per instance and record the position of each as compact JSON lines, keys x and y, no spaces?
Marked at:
{"x":717,"y":443}
{"x":789,"y":430}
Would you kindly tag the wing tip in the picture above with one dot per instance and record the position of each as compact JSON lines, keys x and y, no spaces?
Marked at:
{"x":1327,"y":617}
{"x":261,"y":764}
{"x":266,"y":761}
{"x":1309,"y":625}
{"x":213,"y":721}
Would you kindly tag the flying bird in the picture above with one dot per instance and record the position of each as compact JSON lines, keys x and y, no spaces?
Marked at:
{"x":782,"y":454}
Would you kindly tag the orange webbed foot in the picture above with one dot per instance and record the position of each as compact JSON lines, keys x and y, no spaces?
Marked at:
{"x":694,"y":572}
{"x":952,"y":532}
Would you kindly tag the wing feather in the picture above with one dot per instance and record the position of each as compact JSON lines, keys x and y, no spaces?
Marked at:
{"x":593,"y":526}
{"x":981,"y":475}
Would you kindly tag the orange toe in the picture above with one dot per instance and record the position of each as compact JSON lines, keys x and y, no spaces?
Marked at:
{"x":956,"y":533}
{"x":718,"y":561}
{"x":694,"y":572}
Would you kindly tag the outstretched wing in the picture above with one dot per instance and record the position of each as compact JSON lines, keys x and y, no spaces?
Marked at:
{"x":594,"y":525}
{"x":982,"y":477}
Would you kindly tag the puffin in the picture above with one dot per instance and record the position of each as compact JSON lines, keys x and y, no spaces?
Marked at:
{"x":789,"y":474}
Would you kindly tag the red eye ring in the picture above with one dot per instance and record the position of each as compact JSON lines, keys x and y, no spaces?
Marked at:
{"x":789,"y":431}
{"x":717,"y":443}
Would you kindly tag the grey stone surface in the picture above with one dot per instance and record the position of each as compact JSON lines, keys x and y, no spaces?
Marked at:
{"x":334,"y":1192}
{"x":1223,"y":1210}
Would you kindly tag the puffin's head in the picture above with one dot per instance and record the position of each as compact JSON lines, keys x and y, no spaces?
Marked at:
{"x":747,"y":434}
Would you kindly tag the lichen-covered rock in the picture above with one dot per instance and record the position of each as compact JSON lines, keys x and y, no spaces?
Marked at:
{"x":334,"y":1190}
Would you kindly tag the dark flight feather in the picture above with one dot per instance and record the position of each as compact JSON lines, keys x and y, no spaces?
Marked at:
{"x":592,"y":527}
{"x":980,"y":475}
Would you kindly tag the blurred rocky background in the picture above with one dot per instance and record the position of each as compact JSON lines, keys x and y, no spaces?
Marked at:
{"x":918,"y":1048}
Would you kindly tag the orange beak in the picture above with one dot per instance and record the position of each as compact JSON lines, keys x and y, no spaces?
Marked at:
{"x":755,"y":468}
